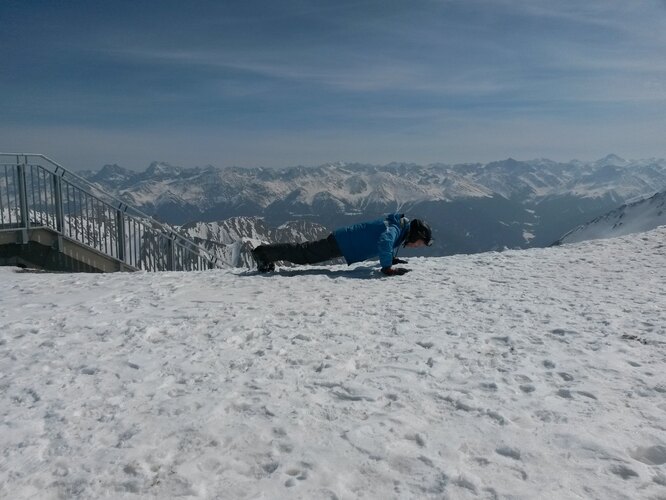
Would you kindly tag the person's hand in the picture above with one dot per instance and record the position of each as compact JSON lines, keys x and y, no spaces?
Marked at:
{"x":398,"y":261}
{"x":394,"y":271}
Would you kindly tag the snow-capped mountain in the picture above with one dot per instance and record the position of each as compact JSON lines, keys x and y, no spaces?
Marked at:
{"x":534,"y":180}
{"x":232,"y":240}
{"x":356,"y":186}
{"x":472,"y":207}
{"x":636,"y":217}
{"x":337,"y":185}
{"x":526,"y":374}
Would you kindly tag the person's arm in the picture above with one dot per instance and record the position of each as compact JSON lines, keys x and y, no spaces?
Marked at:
{"x":385,"y":247}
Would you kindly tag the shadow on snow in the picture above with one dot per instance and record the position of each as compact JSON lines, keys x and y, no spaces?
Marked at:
{"x":356,"y":273}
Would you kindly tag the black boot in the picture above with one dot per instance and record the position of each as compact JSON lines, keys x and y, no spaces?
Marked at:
{"x":263,"y":265}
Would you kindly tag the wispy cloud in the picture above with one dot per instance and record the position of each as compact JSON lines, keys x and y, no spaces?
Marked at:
{"x":360,"y":73}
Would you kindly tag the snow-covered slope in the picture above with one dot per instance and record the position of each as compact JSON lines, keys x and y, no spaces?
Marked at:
{"x":635,"y":217}
{"x":523,"y":374}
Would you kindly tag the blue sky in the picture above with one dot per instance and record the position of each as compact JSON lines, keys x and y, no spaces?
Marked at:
{"x":279,"y":83}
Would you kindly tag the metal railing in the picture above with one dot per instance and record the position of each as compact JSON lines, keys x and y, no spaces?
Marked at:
{"x":35,"y":191}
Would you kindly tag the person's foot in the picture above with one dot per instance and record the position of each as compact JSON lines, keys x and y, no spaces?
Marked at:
{"x":263,"y":265}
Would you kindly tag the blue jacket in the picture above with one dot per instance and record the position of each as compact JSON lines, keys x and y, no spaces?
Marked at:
{"x":381,"y":237}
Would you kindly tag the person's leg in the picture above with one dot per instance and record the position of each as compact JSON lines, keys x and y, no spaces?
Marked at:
{"x":310,"y":252}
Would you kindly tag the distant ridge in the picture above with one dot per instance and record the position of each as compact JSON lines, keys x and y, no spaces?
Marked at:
{"x":637,"y":217}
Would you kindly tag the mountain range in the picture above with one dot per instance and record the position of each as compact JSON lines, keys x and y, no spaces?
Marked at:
{"x":471,"y":207}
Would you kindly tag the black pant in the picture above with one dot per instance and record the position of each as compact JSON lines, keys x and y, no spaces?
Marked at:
{"x":309,"y":252}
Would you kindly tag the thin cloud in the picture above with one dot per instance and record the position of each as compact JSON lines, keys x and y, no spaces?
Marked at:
{"x":414,"y":80}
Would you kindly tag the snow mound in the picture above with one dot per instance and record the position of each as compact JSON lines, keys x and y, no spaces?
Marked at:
{"x":492,"y":375}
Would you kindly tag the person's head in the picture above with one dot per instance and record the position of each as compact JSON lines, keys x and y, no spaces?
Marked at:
{"x":419,"y":235}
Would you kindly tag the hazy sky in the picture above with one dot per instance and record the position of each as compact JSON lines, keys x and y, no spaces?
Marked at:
{"x":279,"y":83}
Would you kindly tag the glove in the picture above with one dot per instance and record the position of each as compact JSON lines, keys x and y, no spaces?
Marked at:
{"x":398,"y":261}
{"x":397,"y":271}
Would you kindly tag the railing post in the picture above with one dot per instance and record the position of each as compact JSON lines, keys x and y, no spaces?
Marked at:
{"x":171,"y":257}
{"x":23,"y":198}
{"x":120,"y":234}
{"x":59,"y":209}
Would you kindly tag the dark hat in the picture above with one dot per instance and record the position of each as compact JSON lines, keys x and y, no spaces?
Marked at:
{"x":419,"y":230}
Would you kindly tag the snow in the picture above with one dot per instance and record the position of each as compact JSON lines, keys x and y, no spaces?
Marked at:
{"x":527,"y":236}
{"x":521,"y":374}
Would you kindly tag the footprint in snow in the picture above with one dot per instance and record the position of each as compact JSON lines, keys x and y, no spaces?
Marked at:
{"x":623,"y":471}
{"x":465,"y":483}
{"x":89,"y":370}
{"x":416,"y":438}
{"x":297,"y":474}
{"x":507,"y":451}
{"x":565,"y":393}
